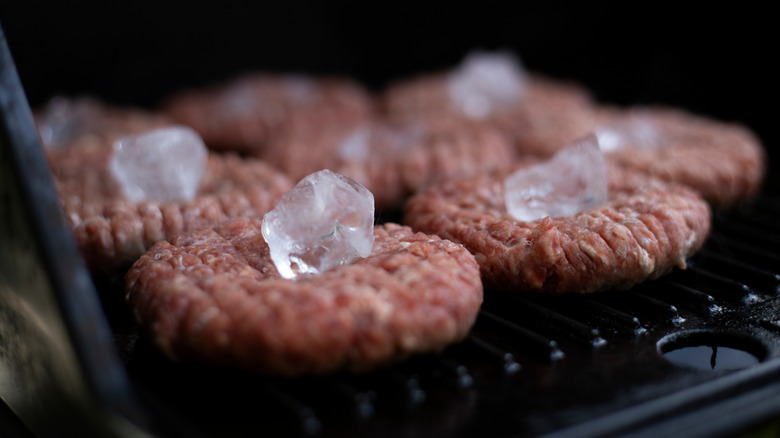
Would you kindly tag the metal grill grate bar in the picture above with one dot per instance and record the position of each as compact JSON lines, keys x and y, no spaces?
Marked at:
{"x":529,"y":342}
{"x":754,"y":254}
{"x":544,"y":320}
{"x":757,"y":278}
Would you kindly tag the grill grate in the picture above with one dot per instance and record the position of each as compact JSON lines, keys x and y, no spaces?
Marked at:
{"x":533,"y":365}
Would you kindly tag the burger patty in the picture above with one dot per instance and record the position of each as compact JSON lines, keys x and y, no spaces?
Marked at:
{"x":214,"y":296}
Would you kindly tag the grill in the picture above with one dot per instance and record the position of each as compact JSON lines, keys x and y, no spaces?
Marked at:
{"x":692,"y":354}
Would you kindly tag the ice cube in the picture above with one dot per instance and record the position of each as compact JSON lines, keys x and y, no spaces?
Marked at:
{"x":239,"y":99}
{"x":635,"y":131}
{"x":484,"y":81}
{"x":161,"y":165}
{"x":574,"y":179}
{"x":300,"y":88}
{"x":64,"y":119}
{"x":325,"y":221}
{"x":384,"y":139}
{"x":356,"y":146}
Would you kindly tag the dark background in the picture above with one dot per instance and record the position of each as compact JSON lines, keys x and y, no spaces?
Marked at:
{"x":716,"y":62}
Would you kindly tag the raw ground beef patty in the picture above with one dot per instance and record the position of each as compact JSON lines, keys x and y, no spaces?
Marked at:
{"x":303,"y":124}
{"x":244,"y":113}
{"x":214,"y":295}
{"x":724,"y":162}
{"x":392,"y":159}
{"x":550,"y":113}
{"x":112,"y":232}
{"x":65,"y":120}
{"x":644,"y":230}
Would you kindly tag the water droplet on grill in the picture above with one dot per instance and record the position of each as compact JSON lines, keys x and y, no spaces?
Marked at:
{"x":677,"y":320}
{"x":415,"y":394}
{"x":464,"y":378}
{"x":510,"y":365}
{"x":310,"y":424}
{"x":557,"y":354}
{"x":751,"y":299}
{"x":364,"y":407}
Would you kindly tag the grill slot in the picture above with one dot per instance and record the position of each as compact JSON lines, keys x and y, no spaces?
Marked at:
{"x":747,"y":233}
{"x":539,"y":318}
{"x":713,"y":284}
{"x":622,"y":321}
{"x":446,"y":370}
{"x":508,"y":363}
{"x":757,"y":278}
{"x":533,"y":344}
{"x":750,"y":216}
{"x":684,"y":297}
{"x":300,"y":414}
{"x":753,"y":254}
{"x":766,"y":206}
{"x":639,"y":303}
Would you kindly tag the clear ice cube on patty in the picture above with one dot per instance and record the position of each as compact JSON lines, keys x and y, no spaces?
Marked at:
{"x":634,"y":132}
{"x":356,"y":146}
{"x":573,"y":180}
{"x":325,"y":221}
{"x":300,"y":88}
{"x":161,"y":165}
{"x":484,"y":81}
{"x":63,"y":120}
{"x":379,"y":139}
